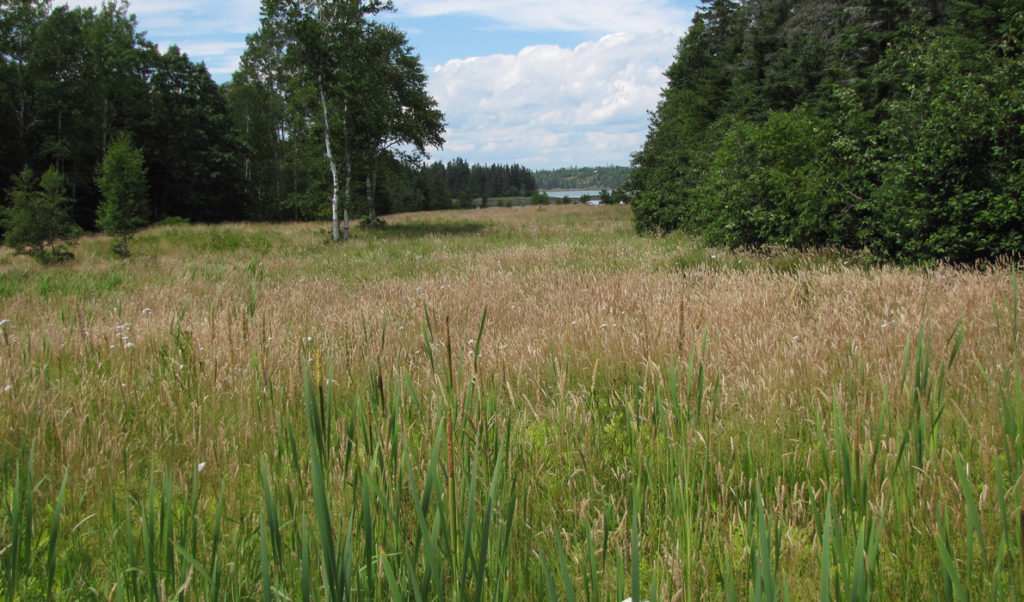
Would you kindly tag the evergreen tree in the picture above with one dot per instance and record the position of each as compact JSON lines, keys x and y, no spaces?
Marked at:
{"x":122,"y":181}
{"x":38,"y":221}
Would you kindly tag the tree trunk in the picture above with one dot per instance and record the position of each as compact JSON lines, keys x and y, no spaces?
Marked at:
{"x":371,"y":192}
{"x":335,"y":229}
{"x":348,"y":166}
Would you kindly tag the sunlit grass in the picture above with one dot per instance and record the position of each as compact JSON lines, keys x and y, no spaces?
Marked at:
{"x":508,"y":404}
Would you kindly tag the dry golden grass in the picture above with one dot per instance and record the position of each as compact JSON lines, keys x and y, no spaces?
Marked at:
{"x":193,"y":350}
{"x":775,"y":338}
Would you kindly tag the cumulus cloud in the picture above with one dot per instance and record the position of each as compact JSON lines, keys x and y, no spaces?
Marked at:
{"x":550,"y":106}
{"x":634,"y":16}
{"x":545,"y":106}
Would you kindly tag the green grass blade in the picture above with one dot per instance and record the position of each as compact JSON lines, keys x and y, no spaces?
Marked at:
{"x":51,"y":553}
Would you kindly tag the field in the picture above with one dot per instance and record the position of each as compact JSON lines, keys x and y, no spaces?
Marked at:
{"x":505,"y":404}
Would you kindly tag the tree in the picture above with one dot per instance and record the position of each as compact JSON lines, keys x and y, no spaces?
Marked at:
{"x":122,"y":182}
{"x":191,"y":149}
{"x":354,"y":84}
{"x":896,"y":126}
{"x":19,"y":21}
{"x":397,"y":115}
{"x":313,"y":47}
{"x":38,"y":221}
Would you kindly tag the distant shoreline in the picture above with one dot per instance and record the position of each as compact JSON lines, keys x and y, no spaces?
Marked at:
{"x":574,"y":192}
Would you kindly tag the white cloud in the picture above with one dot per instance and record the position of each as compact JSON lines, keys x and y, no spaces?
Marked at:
{"x":551,"y":106}
{"x":544,"y":106}
{"x":632,"y":16}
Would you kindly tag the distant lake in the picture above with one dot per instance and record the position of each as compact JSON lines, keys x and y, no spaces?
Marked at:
{"x":574,"y":194}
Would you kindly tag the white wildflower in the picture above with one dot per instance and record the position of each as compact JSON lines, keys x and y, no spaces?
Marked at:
{"x":5,"y":323}
{"x":129,"y":345}
{"x":200,"y":466}
{"x":8,"y":388}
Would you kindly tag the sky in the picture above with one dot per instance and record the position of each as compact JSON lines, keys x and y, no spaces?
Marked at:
{"x":541,"y":83}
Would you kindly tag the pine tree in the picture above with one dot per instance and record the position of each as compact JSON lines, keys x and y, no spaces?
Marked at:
{"x":38,"y":221}
{"x":122,"y":182}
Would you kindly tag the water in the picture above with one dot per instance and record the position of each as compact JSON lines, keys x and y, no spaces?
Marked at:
{"x":574,"y":194}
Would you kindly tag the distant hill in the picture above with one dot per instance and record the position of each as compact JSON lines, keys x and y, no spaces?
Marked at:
{"x":581,"y":178}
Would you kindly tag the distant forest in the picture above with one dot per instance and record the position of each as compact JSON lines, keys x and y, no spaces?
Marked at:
{"x":464,"y":182}
{"x":74,"y":80}
{"x":892,"y":126}
{"x":582,"y":178}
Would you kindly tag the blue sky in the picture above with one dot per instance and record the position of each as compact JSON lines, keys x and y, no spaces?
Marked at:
{"x":542,"y":83}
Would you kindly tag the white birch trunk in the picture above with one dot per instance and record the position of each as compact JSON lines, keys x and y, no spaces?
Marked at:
{"x":335,"y":229}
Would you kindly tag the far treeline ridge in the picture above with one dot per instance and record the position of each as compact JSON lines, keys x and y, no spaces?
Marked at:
{"x":892,"y":126}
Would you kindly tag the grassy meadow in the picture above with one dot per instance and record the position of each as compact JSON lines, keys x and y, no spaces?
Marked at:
{"x":505,"y":404}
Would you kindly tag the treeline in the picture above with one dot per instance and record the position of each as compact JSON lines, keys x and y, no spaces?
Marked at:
{"x":453,"y":185}
{"x":466,"y":182}
{"x":895,"y":126}
{"x":328,"y":112}
{"x":72,"y":80}
{"x":582,"y":178}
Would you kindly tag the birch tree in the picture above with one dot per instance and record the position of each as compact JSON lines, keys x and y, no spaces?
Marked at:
{"x":399,"y":115}
{"x":317,"y":46}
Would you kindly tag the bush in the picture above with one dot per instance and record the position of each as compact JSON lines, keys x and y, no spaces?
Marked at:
{"x":951,"y":155}
{"x":768,"y":184}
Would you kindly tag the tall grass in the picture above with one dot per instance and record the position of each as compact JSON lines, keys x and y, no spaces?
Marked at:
{"x":452,"y":411}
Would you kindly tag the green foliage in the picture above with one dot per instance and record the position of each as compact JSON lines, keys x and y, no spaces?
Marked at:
{"x":769,"y":183}
{"x":791,"y":123}
{"x":38,"y":221}
{"x":953,"y":144}
{"x":582,"y":178}
{"x":122,"y":181}
{"x":540,"y":198}
{"x":465,"y":181}
{"x":191,"y":150}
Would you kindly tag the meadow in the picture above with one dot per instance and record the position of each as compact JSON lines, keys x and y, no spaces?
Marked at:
{"x":505,"y":404}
